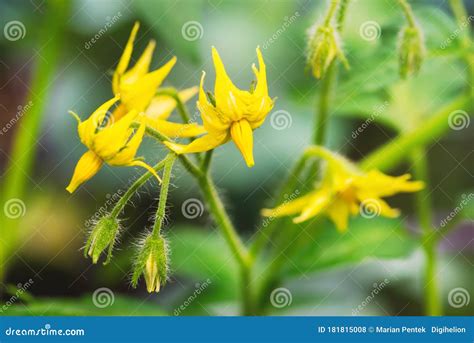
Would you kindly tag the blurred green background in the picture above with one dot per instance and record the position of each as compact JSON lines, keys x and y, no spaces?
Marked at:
{"x":52,"y":230}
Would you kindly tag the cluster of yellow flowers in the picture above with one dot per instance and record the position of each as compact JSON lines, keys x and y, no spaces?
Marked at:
{"x":114,"y":136}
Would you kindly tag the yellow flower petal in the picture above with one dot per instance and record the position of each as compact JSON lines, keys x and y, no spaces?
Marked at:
{"x":204,"y":143}
{"x":212,"y":120}
{"x":376,"y":183}
{"x":317,"y":204}
{"x":87,"y":166}
{"x":338,"y":211}
{"x":162,"y":106}
{"x":140,"y":163}
{"x":228,"y":96}
{"x":124,"y":60}
{"x":174,"y":130}
{"x":141,"y":67}
{"x":139,"y":95}
{"x":290,"y":207}
{"x":87,"y":129}
{"x":242,"y":135}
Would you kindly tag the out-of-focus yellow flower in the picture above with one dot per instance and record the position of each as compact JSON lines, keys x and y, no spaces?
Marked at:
{"x":344,"y":190}
{"x":109,"y":139}
{"x":230,"y":113}
{"x":137,"y":88}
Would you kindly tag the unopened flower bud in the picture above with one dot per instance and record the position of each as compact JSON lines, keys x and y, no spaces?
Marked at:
{"x":411,"y":50}
{"x":324,"y":46}
{"x":152,"y":262}
{"x":103,"y":236}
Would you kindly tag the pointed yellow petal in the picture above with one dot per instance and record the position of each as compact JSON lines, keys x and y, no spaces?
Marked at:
{"x":174,"y":130}
{"x":376,"y":183}
{"x":124,"y":60}
{"x":162,"y":106}
{"x":315,"y":205}
{"x":212,"y":120}
{"x":290,"y":207}
{"x":228,"y":96}
{"x":139,"y":163}
{"x":242,"y":135}
{"x":338,"y":211}
{"x":87,"y":166}
{"x":139,"y":95}
{"x":127,"y":152}
{"x":87,"y":129}
{"x":205,"y":143}
{"x":141,"y":67}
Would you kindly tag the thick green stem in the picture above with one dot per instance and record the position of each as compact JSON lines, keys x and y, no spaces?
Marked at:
{"x":233,"y":240}
{"x":322,"y":112}
{"x":25,"y":143}
{"x":160,"y":213}
{"x":424,"y":211}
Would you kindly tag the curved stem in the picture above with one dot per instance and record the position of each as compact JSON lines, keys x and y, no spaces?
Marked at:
{"x":407,"y":10}
{"x":160,"y":213}
{"x":424,"y":211}
{"x":173,"y":93}
{"x":390,"y":154}
{"x":133,"y":188}
{"x":331,"y":11}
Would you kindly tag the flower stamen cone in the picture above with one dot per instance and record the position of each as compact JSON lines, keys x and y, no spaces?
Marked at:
{"x":230,"y":113}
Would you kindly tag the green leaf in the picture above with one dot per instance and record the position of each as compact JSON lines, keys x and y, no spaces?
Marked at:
{"x":365,"y":239}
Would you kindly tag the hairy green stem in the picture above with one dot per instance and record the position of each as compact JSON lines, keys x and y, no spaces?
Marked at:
{"x":425,"y":216}
{"x":160,"y":213}
{"x":119,"y":206}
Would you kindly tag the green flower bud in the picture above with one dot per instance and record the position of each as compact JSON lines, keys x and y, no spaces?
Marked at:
{"x":152,"y":262}
{"x":323,"y":48}
{"x":411,"y":50}
{"x":103,"y":236}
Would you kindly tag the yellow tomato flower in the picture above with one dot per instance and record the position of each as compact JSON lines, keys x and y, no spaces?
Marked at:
{"x":137,"y":88}
{"x":231,"y":113}
{"x":344,"y":190}
{"x":109,"y":139}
